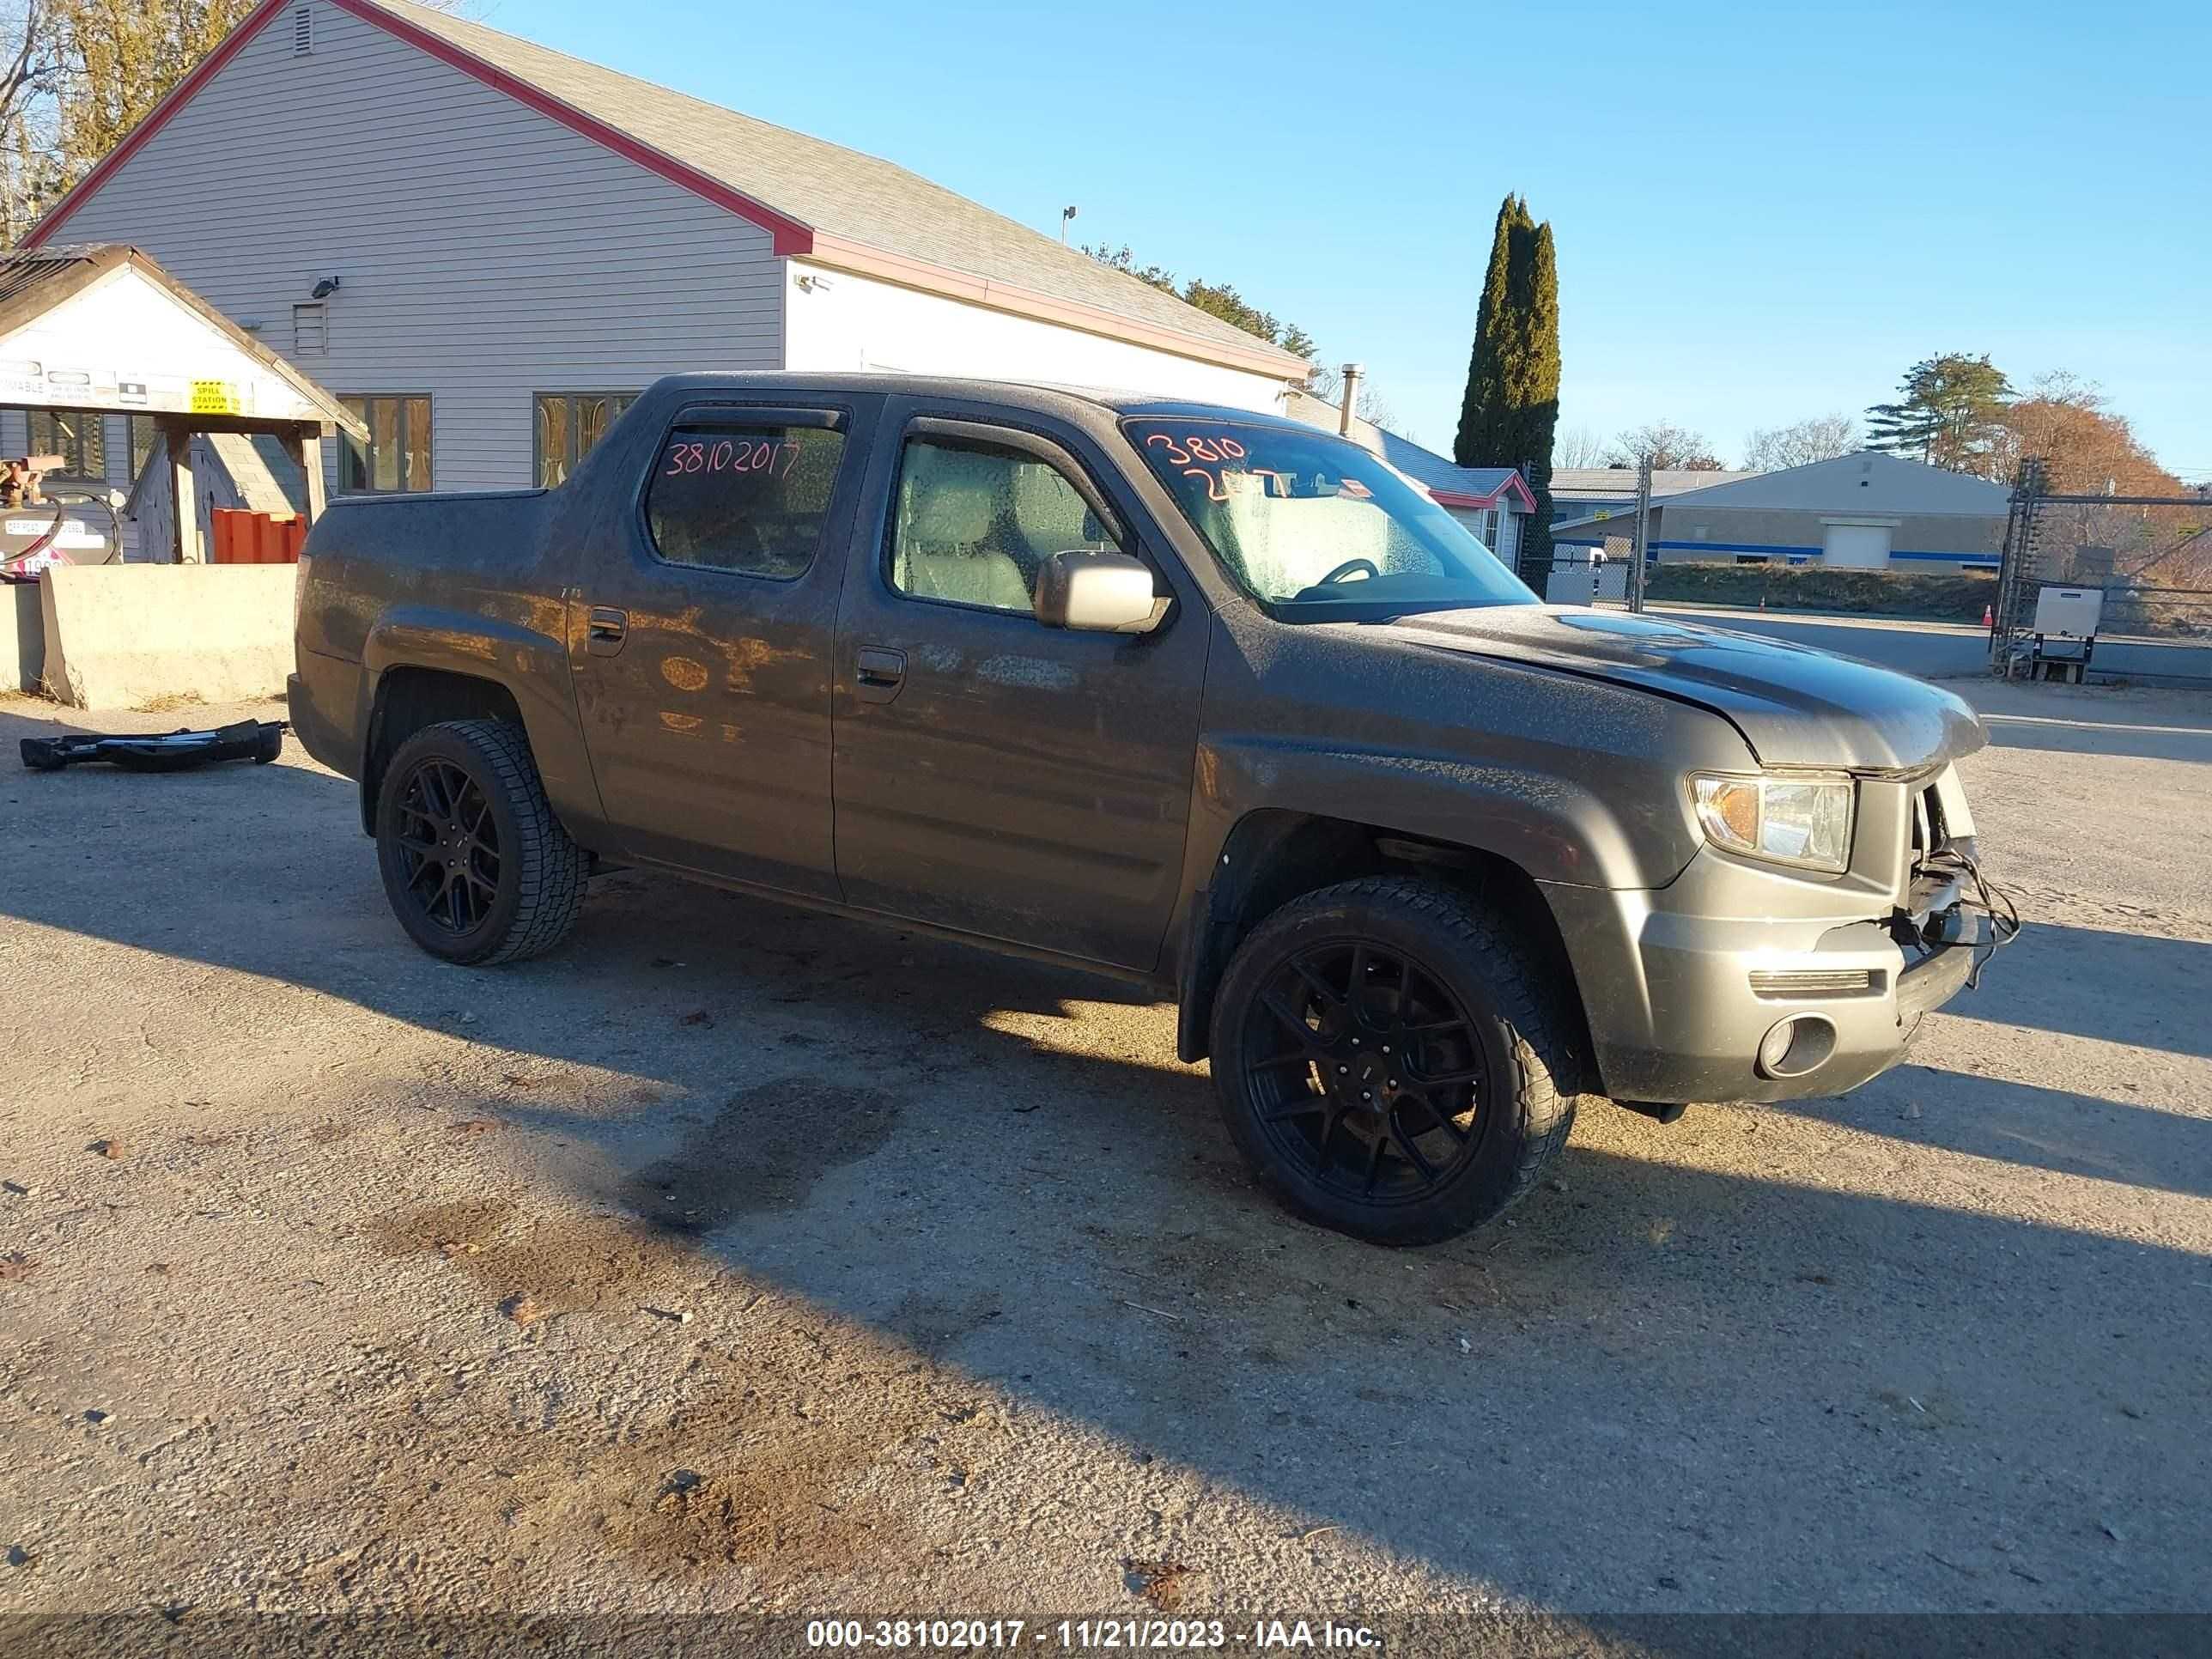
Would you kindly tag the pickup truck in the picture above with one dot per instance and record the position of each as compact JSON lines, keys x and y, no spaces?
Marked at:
{"x":1208,"y":699}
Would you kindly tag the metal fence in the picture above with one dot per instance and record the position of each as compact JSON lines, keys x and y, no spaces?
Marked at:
{"x":1611,"y":573}
{"x":2150,"y":556}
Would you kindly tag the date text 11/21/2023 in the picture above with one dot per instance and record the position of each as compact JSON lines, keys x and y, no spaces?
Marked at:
{"x":1089,"y":1635}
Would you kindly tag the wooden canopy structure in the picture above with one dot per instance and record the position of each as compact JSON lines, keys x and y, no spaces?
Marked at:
{"x":103,"y":328}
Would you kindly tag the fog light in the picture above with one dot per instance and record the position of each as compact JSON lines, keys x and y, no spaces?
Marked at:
{"x":1796,"y":1046}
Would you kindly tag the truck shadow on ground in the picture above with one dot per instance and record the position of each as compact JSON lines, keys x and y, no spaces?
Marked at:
{"x":1567,"y":1406}
{"x":2135,"y":988}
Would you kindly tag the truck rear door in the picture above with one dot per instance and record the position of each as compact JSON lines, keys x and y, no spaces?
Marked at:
{"x":705,"y":640}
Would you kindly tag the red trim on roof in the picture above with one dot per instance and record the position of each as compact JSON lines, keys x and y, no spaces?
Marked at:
{"x":180,"y":95}
{"x":791,"y":236}
{"x":1512,"y":486}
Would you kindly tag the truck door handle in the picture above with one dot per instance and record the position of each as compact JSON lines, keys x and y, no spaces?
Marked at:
{"x":878,"y":673}
{"x":604,"y":632}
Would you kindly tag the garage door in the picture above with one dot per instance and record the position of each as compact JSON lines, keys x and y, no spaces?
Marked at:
{"x":1859,"y":545}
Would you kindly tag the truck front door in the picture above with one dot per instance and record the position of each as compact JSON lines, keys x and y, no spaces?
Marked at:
{"x":703,"y":633}
{"x":993,"y":775}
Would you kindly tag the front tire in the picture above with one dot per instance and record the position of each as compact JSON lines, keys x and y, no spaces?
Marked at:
{"x":1391,"y":1062}
{"x":475,"y":865}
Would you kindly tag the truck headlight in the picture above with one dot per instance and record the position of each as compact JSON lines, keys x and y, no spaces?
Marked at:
{"x":1805,"y":822}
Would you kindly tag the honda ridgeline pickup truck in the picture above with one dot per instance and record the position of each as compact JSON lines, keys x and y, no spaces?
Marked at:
{"x":1203,"y":698}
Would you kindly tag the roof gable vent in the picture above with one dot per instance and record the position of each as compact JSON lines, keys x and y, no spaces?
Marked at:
{"x":303,"y":30}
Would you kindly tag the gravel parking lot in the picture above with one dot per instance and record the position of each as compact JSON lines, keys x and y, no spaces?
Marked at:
{"x":736,"y":1258}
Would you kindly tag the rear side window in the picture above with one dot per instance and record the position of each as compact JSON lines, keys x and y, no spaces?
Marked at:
{"x":751,"y":499}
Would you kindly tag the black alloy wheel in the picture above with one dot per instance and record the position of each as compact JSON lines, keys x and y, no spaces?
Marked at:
{"x":1391,"y":1059}
{"x":477,"y":867}
{"x":1362,"y":1068}
{"x":449,"y":842}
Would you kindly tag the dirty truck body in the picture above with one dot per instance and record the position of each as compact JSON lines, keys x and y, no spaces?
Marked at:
{"x":1184,"y":694}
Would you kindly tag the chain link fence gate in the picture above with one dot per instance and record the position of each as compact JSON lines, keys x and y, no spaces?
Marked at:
{"x":1611,"y":571}
{"x":2150,"y":556}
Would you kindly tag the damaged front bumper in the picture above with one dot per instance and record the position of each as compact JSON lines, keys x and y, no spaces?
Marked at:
{"x":259,"y":741}
{"x":1742,"y":982}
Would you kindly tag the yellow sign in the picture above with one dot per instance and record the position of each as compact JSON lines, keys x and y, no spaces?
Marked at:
{"x":215,"y":398}
{"x":1603,"y":513}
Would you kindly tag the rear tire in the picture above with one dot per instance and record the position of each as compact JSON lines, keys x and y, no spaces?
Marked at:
{"x":1391,"y":1062}
{"x":477,"y":867}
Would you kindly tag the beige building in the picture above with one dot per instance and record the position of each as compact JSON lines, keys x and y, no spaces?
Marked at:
{"x":1865,"y":511}
{"x":487,"y":248}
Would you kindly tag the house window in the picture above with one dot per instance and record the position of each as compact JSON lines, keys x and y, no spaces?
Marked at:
{"x":74,"y":434}
{"x":567,"y":424}
{"x":1490,"y":528}
{"x":396,"y":456}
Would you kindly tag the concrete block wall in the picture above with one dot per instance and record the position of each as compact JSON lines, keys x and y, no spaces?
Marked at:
{"x":122,"y":637}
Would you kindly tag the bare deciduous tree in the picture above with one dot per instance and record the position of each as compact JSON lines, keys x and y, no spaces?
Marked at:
{"x":1800,"y":443}
{"x":1579,"y":447}
{"x":1668,"y":447}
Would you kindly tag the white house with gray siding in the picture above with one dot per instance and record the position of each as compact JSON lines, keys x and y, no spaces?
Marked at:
{"x":487,"y":248}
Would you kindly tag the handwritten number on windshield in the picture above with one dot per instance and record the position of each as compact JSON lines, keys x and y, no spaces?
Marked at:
{"x":1210,"y":460}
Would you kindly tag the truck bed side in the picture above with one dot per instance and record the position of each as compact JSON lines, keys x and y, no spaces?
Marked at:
{"x":449,"y":603}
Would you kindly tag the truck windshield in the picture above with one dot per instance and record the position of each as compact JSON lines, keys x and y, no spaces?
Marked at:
{"x":1317,"y":528}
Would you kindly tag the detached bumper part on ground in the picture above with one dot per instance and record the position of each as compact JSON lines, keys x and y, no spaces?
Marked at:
{"x":181,"y":750}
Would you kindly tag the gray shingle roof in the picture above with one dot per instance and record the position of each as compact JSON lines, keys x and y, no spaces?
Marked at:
{"x":1424,"y":466}
{"x":1609,"y":483}
{"x":836,"y":192}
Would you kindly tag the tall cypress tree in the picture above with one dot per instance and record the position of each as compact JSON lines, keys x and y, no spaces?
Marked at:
{"x":1482,"y":410}
{"x":1538,"y":398}
{"x":1511,"y":409}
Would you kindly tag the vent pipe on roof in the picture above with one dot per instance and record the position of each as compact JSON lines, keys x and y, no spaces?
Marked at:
{"x":1352,"y":374}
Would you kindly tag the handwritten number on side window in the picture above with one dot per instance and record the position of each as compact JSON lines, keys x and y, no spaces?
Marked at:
{"x":743,"y":455}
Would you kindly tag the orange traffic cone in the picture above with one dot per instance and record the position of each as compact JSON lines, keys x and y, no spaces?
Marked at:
{"x":1988,"y":616}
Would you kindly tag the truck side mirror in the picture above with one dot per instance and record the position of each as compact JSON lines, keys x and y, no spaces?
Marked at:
{"x":1097,"y":593}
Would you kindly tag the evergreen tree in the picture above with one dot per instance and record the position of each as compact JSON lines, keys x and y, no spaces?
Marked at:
{"x":1949,"y":413}
{"x":1539,"y":402}
{"x":1511,"y":409}
{"x":1482,"y":410}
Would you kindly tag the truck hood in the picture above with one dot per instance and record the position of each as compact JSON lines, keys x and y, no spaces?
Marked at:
{"x":1794,"y":706}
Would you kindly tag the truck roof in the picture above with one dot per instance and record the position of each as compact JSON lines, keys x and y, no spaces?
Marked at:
{"x":1041,"y":395}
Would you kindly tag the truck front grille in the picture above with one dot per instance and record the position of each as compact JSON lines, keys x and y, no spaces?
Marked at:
{"x":1799,"y":983}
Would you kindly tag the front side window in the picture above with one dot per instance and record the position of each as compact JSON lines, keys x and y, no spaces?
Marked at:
{"x":396,"y":457}
{"x":751,"y":498}
{"x":1316,"y":528}
{"x":78,"y":436}
{"x":974,"y":519}
{"x":567,"y":424}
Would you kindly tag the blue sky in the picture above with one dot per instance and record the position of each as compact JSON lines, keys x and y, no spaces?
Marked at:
{"x":1762,"y":212}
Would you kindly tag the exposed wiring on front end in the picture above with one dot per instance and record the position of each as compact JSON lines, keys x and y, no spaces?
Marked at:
{"x":1987,"y":896}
